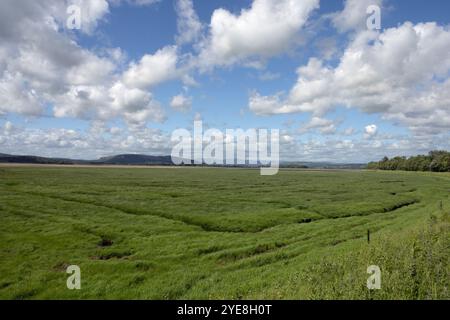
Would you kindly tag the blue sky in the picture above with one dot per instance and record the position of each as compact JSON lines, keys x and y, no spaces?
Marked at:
{"x":137,"y":70}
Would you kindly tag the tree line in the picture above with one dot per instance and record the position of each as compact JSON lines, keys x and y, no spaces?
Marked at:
{"x":435,"y":161}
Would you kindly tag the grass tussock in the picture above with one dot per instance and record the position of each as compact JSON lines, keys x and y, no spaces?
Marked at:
{"x":414,"y":266}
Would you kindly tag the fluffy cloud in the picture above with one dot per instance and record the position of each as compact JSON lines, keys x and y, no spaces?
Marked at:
{"x":18,"y":17}
{"x":91,"y":12}
{"x":17,"y":97}
{"x":41,"y":66}
{"x":181,"y":103}
{"x":354,"y":15}
{"x":153,"y":69}
{"x":370,"y":131}
{"x":262,"y":105}
{"x":361,"y":150}
{"x":324,"y":126}
{"x":188,"y":23}
{"x":267,"y":28}
{"x":136,"y":105}
{"x":387,"y":73}
{"x":100,"y":140}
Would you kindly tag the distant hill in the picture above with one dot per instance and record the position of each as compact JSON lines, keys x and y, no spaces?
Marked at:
{"x":147,"y":160}
{"x":323,"y":165}
{"x":136,"y":159}
{"x":8,"y":158}
{"x":123,"y":159}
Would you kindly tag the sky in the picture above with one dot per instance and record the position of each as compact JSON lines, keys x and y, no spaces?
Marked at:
{"x":119,"y":76}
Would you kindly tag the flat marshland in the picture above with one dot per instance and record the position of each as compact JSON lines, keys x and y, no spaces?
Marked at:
{"x":204,"y":233}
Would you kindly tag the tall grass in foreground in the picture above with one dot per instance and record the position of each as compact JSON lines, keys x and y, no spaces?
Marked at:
{"x":414,"y":265}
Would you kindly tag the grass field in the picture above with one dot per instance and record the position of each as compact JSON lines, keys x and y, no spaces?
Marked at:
{"x":187,"y":233}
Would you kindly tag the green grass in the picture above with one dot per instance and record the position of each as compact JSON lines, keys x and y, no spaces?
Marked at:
{"x":191,"y":233}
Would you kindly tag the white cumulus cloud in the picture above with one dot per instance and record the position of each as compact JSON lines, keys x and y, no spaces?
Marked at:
{"x":388,"y":73}
{"x":354,"y":15}
{"x":188,"y":23}
{"x":181,"y":103}
{"x":325,"y":126}
{"x":370,"y":131}
{"x":267,"y":28}
{"x":153,"y":69}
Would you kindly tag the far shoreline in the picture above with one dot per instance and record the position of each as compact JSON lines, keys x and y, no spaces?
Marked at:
{"x":143,"y":166}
